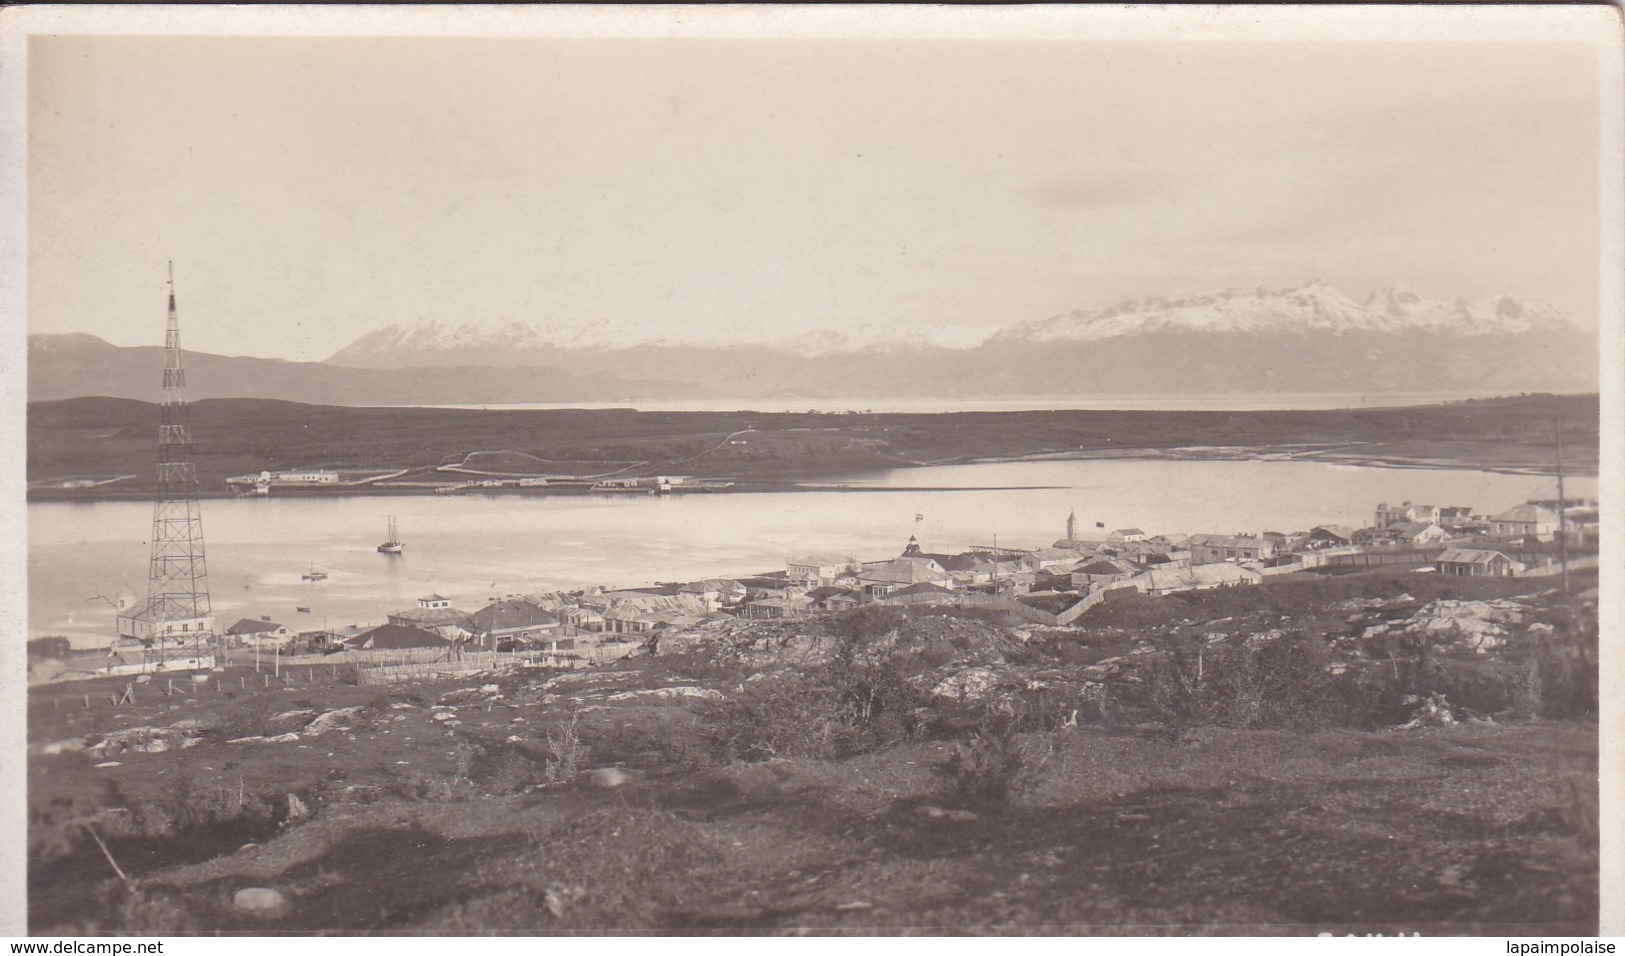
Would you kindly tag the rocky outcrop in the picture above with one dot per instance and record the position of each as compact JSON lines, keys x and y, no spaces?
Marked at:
{"x":1460,"y":625}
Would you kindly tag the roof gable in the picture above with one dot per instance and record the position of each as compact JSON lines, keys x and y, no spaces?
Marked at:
{"x":904,"y":571}
{"x":1470,"y":556}
{"x":250,"y":626}
{"x":1527,"y":513}
{"x":507,"y":614}
{"x":923,"y":588}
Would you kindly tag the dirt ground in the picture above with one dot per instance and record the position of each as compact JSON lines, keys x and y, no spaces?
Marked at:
{"x":417,"y":824}
{"x":697,"y":791}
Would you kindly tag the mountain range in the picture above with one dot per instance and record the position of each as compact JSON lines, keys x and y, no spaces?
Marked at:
{"x":1307,"y":339}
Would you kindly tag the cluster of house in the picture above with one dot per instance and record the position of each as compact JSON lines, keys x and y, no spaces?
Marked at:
{"x":607,"y":623}
{"x":598,"y":623}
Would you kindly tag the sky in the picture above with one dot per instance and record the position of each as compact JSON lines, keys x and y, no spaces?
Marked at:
{"x":312,"y":189}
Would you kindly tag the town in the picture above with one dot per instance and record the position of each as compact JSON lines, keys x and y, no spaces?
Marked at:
{"x":1054,"y":711}
{"x":1053,"y":586}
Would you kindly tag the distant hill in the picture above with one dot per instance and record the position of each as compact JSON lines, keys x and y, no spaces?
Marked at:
{"x":105,"y":437}
{"x":71,"y":366}
{"x":1312,"y":339}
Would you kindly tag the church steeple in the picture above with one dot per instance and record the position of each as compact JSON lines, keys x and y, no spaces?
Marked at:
{"x":913,"y":549}
{"x":1072,"y":526}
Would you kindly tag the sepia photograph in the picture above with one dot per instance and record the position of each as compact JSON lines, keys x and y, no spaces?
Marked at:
{"x":838,"y":471}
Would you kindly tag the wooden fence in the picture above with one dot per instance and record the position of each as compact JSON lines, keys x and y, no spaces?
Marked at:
{"x":1372,"y":559}
{"x":242,"y":657}
{"x":1556,"y":567}
{"x":446,"y":667}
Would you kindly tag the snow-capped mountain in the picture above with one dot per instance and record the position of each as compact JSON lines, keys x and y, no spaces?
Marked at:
{"x":431,"y":335}
{"x":429,"y":342}
{"x":1311,"y":339}
{"x":1315,"y":307}
{"x":886,"y":338}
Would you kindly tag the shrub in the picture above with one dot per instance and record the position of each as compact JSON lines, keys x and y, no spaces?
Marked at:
{"x":567,"y":750}
{"x":719,"y":662}
{"x":144,"y":911}
{"x":1550,"y":670}
{"x":1565,"y":659}
{"x":848,"y":706}
{"x":785,"y":716}
{"x":671,"y":740}
{"x":55,"y":812}
{"x":1049,"y":708}
{"x":862,"y":625}
{"x":190,"y":803}
{"x":250,"y":718}
{"x":1281,"y":683}
{"x":498,"y":766}
{"x":1581,"y":812}
{"x":990,"y":769}
{"x":617,"y":869}
{"x":1027,"y":710}
{"x":414,"y":784}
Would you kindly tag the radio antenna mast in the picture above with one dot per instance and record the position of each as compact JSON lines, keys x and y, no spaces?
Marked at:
{"x":1562,"y":510}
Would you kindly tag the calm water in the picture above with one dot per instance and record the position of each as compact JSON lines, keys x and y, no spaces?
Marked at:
{"x":471,"y":548}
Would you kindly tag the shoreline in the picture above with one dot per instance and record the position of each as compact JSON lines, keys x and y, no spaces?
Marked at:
{"x":79,"y":441}
{"x":1326,"y":454}
{"x":852,"y":481}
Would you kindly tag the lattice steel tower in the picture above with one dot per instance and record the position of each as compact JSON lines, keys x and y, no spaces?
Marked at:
{"x":178,"y":579}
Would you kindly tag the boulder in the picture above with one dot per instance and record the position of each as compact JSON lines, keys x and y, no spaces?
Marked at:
{"x":1471,"y":625}
{"x":259,"y":900}
{"x":333,"y":718}
{"x":608,"y":778}
{"x":296,"y":807}
{"x":704,"y":693}
{"x":939,"y":813}
{"x":972,"y":683}
{"x":71,"y":745}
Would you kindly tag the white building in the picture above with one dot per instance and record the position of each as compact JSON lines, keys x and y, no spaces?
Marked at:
{"x":300,"y":477}
{"x":821,"y":567}
{"x":145,"y":624}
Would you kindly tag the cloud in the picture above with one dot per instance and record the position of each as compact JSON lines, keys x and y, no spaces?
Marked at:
{"x":1100,"y":190}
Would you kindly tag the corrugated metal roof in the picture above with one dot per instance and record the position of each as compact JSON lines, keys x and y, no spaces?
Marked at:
{"x":1469,"y":556}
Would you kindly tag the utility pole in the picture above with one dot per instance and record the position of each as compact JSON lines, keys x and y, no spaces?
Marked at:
{"x":1562,"y":511}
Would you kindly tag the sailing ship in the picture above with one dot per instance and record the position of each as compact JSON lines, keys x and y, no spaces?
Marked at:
{"x":314,"y":575}
{"x":392,"y":545}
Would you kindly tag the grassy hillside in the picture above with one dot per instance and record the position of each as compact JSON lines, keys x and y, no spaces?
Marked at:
{"x":102,"y":436}
{"x":884,"y":770}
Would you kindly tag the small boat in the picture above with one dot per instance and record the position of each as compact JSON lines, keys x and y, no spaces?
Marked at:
{"x":392,"y":545}
{"x":301,"y":609}
{"x":314,"y":575}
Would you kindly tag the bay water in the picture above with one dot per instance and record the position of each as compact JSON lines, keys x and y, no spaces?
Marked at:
{"x":471,"y":548}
